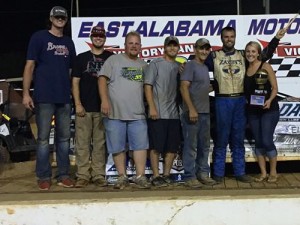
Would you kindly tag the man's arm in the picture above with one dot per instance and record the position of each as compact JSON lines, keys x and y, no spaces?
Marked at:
{"x":150,"y":100}
{"x":209,"y":62}
{"x":79,"y":109}
{"x":103,"y":91}
{"x":267,"y":52}
{"x":184,"y":89}
{"x":27,"y":78}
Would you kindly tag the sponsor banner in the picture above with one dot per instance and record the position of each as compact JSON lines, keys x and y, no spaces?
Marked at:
{"x":111,"y":171}
{"x":188,"y":29}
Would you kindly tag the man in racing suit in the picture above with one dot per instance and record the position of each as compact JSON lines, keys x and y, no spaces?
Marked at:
{"x":229,"y":66}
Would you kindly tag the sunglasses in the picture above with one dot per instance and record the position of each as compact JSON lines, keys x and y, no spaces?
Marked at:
{"x":60,"y":17}
{"x":98,"y":35}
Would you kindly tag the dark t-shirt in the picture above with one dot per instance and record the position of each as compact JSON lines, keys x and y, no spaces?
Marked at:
{"x":53,"y":58}
{"x":87,"y":67}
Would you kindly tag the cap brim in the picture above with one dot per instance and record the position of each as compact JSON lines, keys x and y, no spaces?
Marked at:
{"x":63,"y":15}
{"x":206,"y":44}
{"x":172,"y":41}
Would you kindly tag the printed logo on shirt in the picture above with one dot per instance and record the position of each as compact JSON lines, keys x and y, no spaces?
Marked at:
{"x":94,"y":67}
{"x":59,"y":49}
{"x":231,"y":70}
{"x":230,"y":66}
{"x":132,"y":73}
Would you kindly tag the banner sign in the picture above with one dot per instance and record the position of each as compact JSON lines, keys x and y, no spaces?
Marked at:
{"x":287,"y":132}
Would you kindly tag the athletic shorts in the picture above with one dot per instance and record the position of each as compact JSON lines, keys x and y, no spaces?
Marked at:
{"x":120,"y":132}
{"x":164,"y":135}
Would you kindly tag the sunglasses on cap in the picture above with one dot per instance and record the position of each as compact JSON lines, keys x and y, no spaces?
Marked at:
{"x":60,"y":17}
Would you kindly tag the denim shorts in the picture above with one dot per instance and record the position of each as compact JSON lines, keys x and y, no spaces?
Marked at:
{"x":121,"y":132}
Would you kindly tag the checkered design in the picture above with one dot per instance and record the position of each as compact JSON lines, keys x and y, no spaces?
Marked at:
{"x":286,"y":67}
{"x":283,"y":67}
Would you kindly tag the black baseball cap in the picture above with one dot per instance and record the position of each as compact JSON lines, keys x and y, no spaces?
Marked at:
{"x":58,"y":11}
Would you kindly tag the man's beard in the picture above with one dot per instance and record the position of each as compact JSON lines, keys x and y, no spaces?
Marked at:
{"x":98,"y":46}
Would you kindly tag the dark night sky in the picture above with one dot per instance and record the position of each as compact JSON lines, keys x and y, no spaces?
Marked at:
{"x":19,"y":19}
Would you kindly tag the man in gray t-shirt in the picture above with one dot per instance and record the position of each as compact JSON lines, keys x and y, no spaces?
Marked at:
{"x":162,"y":75}
{"x":161,"y":85}
{"x":121,"y":92}
{"x":199,"y":83}
{"x":125,"y":87}
{"x":195,"y":88}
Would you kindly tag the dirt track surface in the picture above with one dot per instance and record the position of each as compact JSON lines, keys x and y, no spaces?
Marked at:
{"x":18,"y":183}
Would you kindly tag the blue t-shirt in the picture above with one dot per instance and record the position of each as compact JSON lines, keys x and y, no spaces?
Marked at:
{"x":53,"y":57}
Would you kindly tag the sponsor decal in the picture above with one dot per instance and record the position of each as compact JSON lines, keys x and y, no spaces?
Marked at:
{"x":288,"y":51}
{"x":150,"y":28}
{"x":269,"y":26}
{"x":289,"y":111}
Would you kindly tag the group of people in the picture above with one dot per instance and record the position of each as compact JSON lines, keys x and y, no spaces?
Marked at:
{"x":112,"y":114}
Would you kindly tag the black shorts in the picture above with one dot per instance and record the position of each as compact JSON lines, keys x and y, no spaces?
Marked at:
{"x":164,"y":135}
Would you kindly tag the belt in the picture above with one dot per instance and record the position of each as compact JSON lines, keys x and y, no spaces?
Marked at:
{"x":230,"y":95}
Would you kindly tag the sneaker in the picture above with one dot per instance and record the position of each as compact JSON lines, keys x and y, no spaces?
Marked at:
{"x":66,"y":182}
{"x":100,"y":182}
{"x":122,"y":182}
{"x":141,"y":181}
{"x":167,"y":179}
{"x":272,"y":179}
{"x":44,"y":185}
{"x":244,"y":179}
{"x":218,"y":179}
{"x":206,"y":180}
{"x":193,"y":183}
{"x":159,"y":182}
{"x":80,"y":183}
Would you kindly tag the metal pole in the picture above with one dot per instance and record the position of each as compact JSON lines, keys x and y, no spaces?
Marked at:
{"x":71,"y":10}
{"x":267,"y":6}
{"x":77,"y":8}
{"x":239,"y":7}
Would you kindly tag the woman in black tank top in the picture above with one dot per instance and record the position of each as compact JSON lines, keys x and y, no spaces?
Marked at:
{"x":260,"y":88}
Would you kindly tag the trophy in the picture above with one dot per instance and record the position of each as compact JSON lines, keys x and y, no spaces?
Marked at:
{"x":261,"y":78}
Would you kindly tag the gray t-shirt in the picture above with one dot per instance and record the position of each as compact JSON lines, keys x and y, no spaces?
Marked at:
{"x":198,"y":75}
{"x":162,"y":75}
{"x":125,"y":87}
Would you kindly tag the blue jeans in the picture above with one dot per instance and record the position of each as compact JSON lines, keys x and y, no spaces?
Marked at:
{"x":196,"y":146}
{"x":230,"y":129}
{"x":263,"y":127}
{"x":44,"y":114}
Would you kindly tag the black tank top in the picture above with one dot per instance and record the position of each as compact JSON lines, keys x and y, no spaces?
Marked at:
{"x":249,"y":89}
